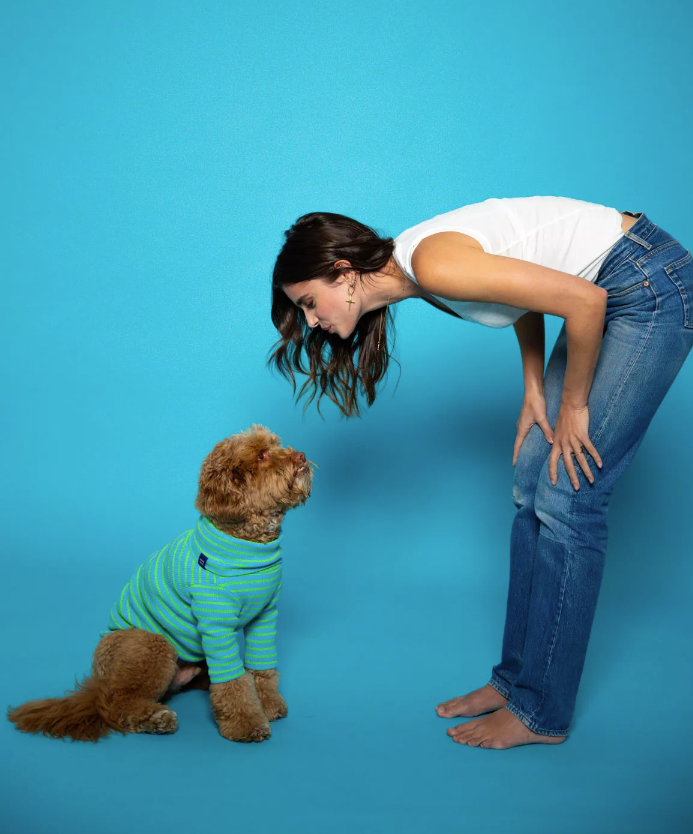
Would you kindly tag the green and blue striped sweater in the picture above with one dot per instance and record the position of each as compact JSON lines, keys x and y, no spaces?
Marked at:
{"x":199,"y":591}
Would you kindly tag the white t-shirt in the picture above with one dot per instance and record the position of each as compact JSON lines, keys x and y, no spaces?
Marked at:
{"x":569,"y":235}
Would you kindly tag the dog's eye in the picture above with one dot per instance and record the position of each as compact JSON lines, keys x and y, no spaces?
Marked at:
{"x":263,"y":455}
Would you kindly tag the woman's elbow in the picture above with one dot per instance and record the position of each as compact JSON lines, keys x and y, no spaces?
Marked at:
{"x":597,"y":298}
{"x":602,"y":295}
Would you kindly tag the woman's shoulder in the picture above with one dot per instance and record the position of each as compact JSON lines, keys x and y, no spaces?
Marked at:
{"x":441,"y":246}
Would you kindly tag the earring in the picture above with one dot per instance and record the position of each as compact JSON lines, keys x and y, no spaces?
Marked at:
{"x":350,"y":300}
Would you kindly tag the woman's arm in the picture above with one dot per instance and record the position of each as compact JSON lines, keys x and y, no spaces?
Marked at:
{"x":530,"y":333}
{"x":584,"y":343}
{"x":447,"y":267}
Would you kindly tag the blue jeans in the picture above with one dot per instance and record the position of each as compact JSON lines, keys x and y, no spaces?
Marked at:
{"x":559,"y":534}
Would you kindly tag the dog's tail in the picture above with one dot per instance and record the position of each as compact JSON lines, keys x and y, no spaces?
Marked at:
{"x":86,"y":714}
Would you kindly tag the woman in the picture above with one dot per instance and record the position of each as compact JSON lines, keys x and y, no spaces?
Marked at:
{"x":623,"y":286}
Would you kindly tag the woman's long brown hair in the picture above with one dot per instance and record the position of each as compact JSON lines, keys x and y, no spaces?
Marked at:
{"x":340,"y":368}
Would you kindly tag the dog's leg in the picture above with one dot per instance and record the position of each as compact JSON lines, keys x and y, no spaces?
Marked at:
{"x":267,"y":686}
{"x":238,"y":711}
{"x":131,"y":669}
{"x":139,"y":667}
{"x":260,"y":650}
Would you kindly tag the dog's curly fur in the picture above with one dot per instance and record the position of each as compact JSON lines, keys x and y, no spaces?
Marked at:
{"x":247,"y":483}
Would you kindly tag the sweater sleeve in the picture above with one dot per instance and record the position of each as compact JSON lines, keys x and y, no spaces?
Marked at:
{"x":260,"y":635}
{"x":217,"y":613}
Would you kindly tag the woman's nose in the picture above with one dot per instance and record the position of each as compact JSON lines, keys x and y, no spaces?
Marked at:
{"x":311,"y":321}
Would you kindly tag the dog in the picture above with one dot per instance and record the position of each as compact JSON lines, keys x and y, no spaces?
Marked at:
{"x":176,"y":624}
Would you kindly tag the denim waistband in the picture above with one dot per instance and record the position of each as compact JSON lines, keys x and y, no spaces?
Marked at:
{"x":642,"y":236}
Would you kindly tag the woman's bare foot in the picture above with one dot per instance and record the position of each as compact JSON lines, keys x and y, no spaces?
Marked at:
{"x":481,"y":700}
{"x":499,"y":731}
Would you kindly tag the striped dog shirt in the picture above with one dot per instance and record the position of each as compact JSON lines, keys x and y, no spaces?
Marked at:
{"x":199,"y":591}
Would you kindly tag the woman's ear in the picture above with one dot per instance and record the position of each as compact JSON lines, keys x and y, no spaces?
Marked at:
{"x":347,"y":274}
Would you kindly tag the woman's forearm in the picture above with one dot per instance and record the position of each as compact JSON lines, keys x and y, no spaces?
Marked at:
{"x":584,"y":332}
{"x":530,"y":332}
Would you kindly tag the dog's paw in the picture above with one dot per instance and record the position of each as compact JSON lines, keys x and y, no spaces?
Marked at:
{"x":273,"y":705}
{"x":161,"y":722}
{"x":245,"y":729}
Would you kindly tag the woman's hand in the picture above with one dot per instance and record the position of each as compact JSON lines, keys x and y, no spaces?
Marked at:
{"x":571,"y":437}
{"x":533,"y":411}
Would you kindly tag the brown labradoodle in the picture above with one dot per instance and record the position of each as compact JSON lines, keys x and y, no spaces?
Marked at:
{"x":176,"y":624}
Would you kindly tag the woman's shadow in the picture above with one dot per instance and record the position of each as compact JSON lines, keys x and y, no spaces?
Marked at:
{"x":634,"y":585}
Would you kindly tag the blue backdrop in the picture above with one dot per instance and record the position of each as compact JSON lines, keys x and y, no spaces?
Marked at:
{"x":154,"y":153}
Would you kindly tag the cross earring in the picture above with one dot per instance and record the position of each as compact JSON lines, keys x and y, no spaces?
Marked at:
{"x":350,"y":300}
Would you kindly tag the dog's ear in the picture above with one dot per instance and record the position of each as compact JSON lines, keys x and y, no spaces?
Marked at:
{"x":222,"y":476}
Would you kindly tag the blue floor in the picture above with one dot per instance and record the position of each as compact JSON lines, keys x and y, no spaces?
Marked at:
{"x":377,"y":626}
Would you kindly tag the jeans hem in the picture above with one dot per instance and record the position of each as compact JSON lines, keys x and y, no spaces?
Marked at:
{"x":499,"y":687}
{"x":541,"y":731}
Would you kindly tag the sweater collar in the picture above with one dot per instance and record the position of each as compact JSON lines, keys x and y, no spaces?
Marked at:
{"x":218,"y":552}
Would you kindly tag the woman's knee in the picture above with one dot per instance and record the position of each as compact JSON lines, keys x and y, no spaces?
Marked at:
{"x":533,"y":453}
{"x":570,"y":516}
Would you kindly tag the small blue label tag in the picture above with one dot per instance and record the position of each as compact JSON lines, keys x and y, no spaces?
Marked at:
{"x":202,"y":561}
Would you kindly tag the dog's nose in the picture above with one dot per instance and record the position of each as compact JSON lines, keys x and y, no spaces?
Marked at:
{"x":299,"y":457}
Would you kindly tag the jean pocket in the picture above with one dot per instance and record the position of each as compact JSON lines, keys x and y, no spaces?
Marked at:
{"x":681,"y":273}
{"x":627,"y":291}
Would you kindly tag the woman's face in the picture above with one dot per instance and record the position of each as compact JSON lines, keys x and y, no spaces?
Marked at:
{"x":325,"y":305}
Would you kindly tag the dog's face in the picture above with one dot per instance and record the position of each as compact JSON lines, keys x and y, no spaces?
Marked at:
{"x":250,"y":475}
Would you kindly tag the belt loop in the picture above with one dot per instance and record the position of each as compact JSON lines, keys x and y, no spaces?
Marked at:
{"x":637,"y":239}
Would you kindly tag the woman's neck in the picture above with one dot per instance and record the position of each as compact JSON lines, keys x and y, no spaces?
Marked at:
{"x":388,"y":287}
